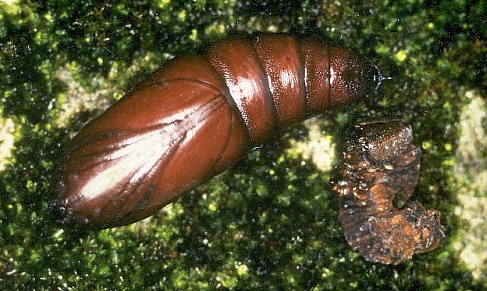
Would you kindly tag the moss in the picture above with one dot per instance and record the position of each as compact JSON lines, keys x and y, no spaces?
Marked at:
{"x":271,"y":221}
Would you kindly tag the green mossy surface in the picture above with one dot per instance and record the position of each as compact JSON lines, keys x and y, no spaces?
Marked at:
{"x":268,"y":223}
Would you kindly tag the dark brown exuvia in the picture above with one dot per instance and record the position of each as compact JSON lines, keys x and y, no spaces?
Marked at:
{"x":197,"y":116}
{"x":374,"y":180}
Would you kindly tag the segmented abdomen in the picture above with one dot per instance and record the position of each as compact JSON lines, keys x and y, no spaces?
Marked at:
{"x":198,"y":115}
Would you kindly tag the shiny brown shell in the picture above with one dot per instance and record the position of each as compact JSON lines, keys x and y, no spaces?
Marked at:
{"x":197,"y":116}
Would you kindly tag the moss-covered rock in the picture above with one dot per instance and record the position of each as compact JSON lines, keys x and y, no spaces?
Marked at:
{"x":271,"y":221}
